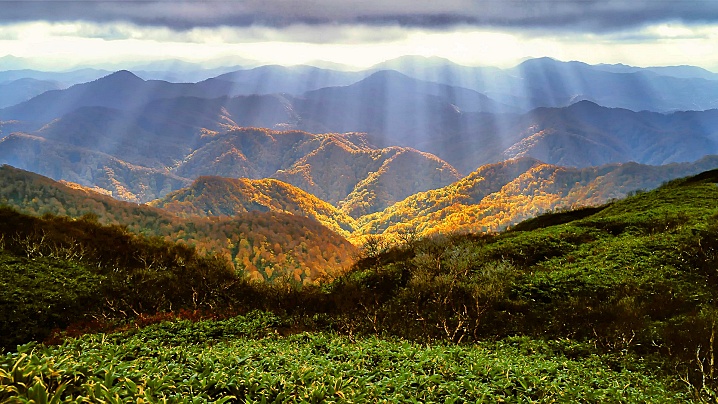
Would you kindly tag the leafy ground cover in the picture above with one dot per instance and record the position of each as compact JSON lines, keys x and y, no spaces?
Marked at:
{"x":243,"y":360}
{"x":620,"y":295}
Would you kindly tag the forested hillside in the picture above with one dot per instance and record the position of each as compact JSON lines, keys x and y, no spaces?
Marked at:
{"x":217,"y":196}
{"x":497,"y":196}
{"x":261,"y":245}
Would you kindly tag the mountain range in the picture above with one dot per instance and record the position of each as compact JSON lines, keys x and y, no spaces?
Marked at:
{"x":462,"y":126}
{"x":341,"y":169}
{"x":546,"y":82}
{"x":490,"y":199}
{"x":413,"y":144}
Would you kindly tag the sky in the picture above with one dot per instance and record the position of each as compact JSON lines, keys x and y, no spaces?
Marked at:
{"x":360,"y":33}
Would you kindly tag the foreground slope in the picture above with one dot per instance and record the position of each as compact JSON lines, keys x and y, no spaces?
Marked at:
{"x":615,"y":303}
{"x":243,"y":360}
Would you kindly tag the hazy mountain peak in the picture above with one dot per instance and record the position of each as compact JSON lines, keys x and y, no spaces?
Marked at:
{"x":548,"y":63}
{"x":545,"y":60}
{"x":585,"y":104}
{"x":121,"y":75}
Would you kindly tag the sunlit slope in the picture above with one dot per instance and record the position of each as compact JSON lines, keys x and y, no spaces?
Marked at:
{"x":403,"y":172}
{"x":498,"y":195}
{"x":362,"y":180}
{"x":264,"y":245}
{"x":218,"y":196}
{"x":342,"y":169}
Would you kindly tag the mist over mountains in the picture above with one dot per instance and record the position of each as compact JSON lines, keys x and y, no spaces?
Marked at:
{"x":358,"y":141}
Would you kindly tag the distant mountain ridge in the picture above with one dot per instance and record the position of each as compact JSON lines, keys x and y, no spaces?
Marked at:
{"x":16,"y":91}
{"x":141,"y":139}
{"x":547,"y":82}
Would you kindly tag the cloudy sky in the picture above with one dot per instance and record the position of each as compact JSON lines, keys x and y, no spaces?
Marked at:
{"x":363,"y":32}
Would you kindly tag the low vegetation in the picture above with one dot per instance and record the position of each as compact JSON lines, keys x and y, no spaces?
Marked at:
{"x":242,"y":360}
{"x":608,"y":304}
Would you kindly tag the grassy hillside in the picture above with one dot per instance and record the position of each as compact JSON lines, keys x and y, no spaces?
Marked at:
{"x":243,"y":360}
{"x":613,"y":303}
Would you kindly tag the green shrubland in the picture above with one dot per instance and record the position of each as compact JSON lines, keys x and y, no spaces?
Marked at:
{"x":586,"y":303}
{"x":242,"y":360}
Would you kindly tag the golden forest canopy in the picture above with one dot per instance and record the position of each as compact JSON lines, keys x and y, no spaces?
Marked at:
{"x":264,"y":245}
{"x":218,"y":196}
{"x":497,"y":196}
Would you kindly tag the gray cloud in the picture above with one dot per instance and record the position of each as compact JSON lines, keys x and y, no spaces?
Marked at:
{"x":317,"y":34}
{"x":572,"y":15}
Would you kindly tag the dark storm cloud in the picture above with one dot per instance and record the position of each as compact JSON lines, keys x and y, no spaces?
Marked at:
{"x":582,"y":15}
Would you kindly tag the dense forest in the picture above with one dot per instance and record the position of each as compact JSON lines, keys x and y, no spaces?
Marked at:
{"x":260,"y":244}
{"x":218,"y":196}
{"x":498,"y":196}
